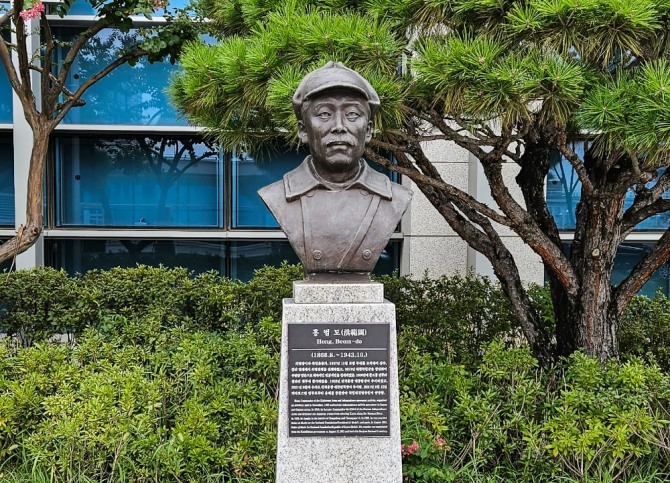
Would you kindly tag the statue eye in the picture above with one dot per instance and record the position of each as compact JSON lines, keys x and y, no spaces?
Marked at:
{"x":353,"y":115}
{"x":324,"y":115}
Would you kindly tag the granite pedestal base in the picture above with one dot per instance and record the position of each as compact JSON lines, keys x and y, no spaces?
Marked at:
{"x":337,"y":459}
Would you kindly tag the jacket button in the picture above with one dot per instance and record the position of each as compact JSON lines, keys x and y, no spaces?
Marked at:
{"x":317,"y":254}
{"x":367,"y":254}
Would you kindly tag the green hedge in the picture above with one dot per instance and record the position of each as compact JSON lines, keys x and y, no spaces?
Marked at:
{"x":38,"y":304}
{"x":174,"y":378}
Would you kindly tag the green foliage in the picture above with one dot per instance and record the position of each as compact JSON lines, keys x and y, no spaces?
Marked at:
{"x":509,"y":420}
{"x":242,"y":89}
{"x":176,"y":380}
{"x":476,"y":60}
{"x":171,"y":405}
{"x":644,"y":329}
{"x":36,"y":304}
{"x":454,"y":317}
{"x":509,"y":81}
{"x":42,"y":303}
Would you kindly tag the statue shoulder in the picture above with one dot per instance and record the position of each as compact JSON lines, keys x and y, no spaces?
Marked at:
{"x":401,"y":195}
{"x":273,"y":194}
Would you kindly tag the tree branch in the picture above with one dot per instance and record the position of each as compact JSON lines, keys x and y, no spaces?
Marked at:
{"x":575,"y":162}
{"x":487,"y":241}
{"x":54,"y":80}
{"x":452,"y":192}
{"x":640,"y":274}
{"x":7,"y":15}
{"x":525,"y":226}
{"x":22,"y":55}
{"x":15,"y":78}
{"x":48,"y":99}
{"x":65,"y":107}
{"x":77,"y":45}
{"x":646,"y":203}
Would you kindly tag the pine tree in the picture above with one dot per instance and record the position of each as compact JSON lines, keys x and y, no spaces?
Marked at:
{"x":507,"y":80}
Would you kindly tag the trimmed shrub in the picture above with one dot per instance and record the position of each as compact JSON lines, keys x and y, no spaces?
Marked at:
{"x":140,"y":402}
{"x":41,"y":303}
{"x":644,"y":329}
{"x":452,"y":316}
{"x":174,"y":378}
{"x":36,"y":304}
{"x":510,"y":420}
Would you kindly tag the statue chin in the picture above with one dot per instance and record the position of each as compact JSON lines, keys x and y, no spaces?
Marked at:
{"x":338,"y":167}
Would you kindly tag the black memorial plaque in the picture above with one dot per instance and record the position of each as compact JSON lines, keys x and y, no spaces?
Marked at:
{"x":338,"y":379}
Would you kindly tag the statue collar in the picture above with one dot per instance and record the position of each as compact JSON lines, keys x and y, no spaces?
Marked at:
{"x":302,"y":180}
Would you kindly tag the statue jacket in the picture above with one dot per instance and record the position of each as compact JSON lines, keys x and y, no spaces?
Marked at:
{"x":336,"y":231}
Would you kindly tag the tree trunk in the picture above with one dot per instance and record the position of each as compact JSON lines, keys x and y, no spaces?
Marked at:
{"x":589,"y":321}
{"x":29,"y":233}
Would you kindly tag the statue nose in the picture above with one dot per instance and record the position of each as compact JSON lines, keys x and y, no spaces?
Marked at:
{"x":338,"y":127}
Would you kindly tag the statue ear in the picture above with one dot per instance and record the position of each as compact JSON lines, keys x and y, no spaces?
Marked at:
{"x":368,"y":132}
{"x":302,"y":132}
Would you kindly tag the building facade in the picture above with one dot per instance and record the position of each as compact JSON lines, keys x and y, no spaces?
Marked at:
{"x":129,"y":181}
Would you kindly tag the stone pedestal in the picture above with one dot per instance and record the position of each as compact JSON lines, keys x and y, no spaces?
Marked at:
{"x":342,"y":349}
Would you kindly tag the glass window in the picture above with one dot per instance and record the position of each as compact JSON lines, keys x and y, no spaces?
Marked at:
{"x":5,"y":92}
{"x":564,"y":190}
{"x":139,"y":181}
{"x":128,"y":95}
{"x":245,"y":257}
{"x":6,"y":181}
{"x":82,"y":7}
{"x":250,"y":174}
{"x":80,"y":256}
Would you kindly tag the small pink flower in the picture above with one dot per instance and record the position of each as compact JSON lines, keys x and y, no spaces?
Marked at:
{"x":441,"y":443}
{"x":32,"y":12}
{"x":159,"y":4}
{"x":409,"y":449}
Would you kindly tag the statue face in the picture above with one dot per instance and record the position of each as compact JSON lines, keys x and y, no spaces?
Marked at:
{"x":336,"y":124}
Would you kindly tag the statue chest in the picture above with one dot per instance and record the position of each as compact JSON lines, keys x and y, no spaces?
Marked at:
{"x":335,"y":226}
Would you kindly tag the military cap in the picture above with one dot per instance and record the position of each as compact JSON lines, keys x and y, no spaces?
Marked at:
{"x":333,"y":75}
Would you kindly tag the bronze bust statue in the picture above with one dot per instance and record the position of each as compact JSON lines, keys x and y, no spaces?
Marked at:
{"x":337,"y":212}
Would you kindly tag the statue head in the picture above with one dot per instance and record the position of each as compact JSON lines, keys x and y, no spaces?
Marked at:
{"x":335,"y":106}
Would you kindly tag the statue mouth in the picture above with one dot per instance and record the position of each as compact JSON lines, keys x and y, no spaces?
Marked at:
{"x":340,"y":142}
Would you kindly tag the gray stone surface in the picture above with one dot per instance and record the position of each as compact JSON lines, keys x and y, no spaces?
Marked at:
{"x":339,"y":459}
{"x":305,"y":292}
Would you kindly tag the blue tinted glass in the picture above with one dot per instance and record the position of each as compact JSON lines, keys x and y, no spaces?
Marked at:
{"x":245,"y":257}
{"x":143,"y":182}
{"x":129,"y":94}
{"x":5,"y":94}
{"x":658,"y":222}
{"x":80,"y":256}
{"x":6,"y":181}
{"x":564,"y":190}
{"x":82,"y":7}
{"x":389,"y":260}
{"x":249,"y":175}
